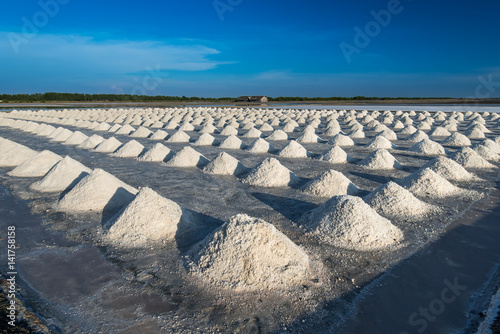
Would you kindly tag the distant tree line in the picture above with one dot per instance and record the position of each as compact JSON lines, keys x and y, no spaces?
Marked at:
{"x":75,"y":97}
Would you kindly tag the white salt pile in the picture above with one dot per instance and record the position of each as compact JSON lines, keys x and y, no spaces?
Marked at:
{"x":278,"y":135}
{"x":99,"y":191}
{"x":179,"y":137}
{"x":228,"y":131}
{"x":474,"y":133}
{"x":186,"y":127}
{"x":131,"y":149}
{"x":341,"y":140}
{"x":494,"y":147}
{"x":289,"y":127}
{"x":427,"y":183}
{"x":308,"y":137}
{"x":439,"y":132}
{"x":260,"y":146}
{"x":62,"y":136}
{"x":141,"y":132}
{"x":91,"y":142}
{"x":206,"y":139}
{"x":149,"y":218}
{"x":157,"y":153}
{"x":428,"y":147}
{"x":159,"y":135}
{"x":330,"y":183}
{"x":469,"y":158}
{"x":332,"y":131}
{"x":380,"y":142}
{"x":187,"y":157}
{"x":115,"y":128}
{"x":357,"y":134}
{"x":335,"y":155}
{"x":448,"y":169}
{"x":36,"y":166}
{"x":270,"y":173}
{"x":102,"y":127}
{"x":417,"y":137}
{"x":63,"y":176}
{"x":389,"y":134}
{"x":380,"y":159}
{"x":45,"y":131}
{"x":7,"y":145}
{"x":348,"y":222}
{"x":225,"y":164}
{"x":125,"y":130}
{"x":395,"y":202}
{"x":266,"y":127}
{"x":293,"y":150}
{"x":486,"y":153}
{"x":109,"y":145}
{"x":253,"y":133}
{"x":457,"y":139}
{"x":408,"y":130}
{"x":249,"y":253}
{"x":232,"y":142}
{"x":15,"y":154}
{"x":76,"y":138}
{"x":208,"y":128}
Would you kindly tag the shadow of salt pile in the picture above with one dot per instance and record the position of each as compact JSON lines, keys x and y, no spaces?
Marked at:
{"x":290,"y":208}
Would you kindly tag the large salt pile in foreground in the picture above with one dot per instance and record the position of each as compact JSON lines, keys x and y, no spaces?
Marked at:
{"x":395,"y":202}
{"x":65,"y":174}
{"x":427,"y":147}
{"x":157,"y":153}
{"x":270,"y":173}
{"x":380,"y":159}
{"x":14,"y":154}
{"x":148,"y":218}
{"x":335,"y":155}
{"x":131,"y":149}
{"x":249,"y":253}
{"x":449,"y":169}
{"x":427,"y":183}
{"x":187,"y":157}
{"x":99,"y":191}
{"x":348,"y":222}
{"x":225,"y":164}
{"x":330,"y":183}
{"x":469,"y":158}
{"x":36,"y":166}
{"x":293,"y":150}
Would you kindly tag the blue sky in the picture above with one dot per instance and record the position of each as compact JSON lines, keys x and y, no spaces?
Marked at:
{"x":244,"y":47}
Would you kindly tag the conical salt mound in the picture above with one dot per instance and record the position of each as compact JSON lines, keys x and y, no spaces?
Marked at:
{"x":474,"y":133}
{"x":186,"y":127}
{"x":63,"y":176}
{"x":457,"y":139}
{"x":270,"y":173}
{"x":62,"y":136}
{"x":125,"y":130}
{"x":91,"y":142}
{"x":149,"y":218}
{"x":348,"y":222}
{"x":131,"y":149}
{"x":428,"y":147}
{"x":469,"y":158}
{"x":7,"y":145}
{"x":486,"y":153}
{"x":114,"y":128}
{"x":99,"y":191}
{"x":408,"y":130}
{"x":159,"y":135}
{"x":357,"y":134}
{"x":36,"y":166}
{"x":395,"y":202}
{"x":76,"y":139}
{"x":439,"y":131}
{"x":380,"y":142}
{"x":335,"y":155}
{"x":249,"y":253}
{"x":330,"y":183}
{"x":228,"y":131}
{"x":308,"y":137}
{"x":278,"y":135}
{"x":102,"y":127}
{"x":417,"y":137}
{"x":109,"y":145}
{"x":380,"y":159}
{"x":293,"y":150}
{"x":449,"y":169}
{"x":179,"y":137}
{"x":427,"y":183}
{"x":187,"y":157}
{"x":206,"y":139}
{"x":494,"y":147}
{"x":253,"y":133}
{"x":16,"y":155}
{"x":47,"y":130}
{"x":232,"y":142}
{"x":260,"y":146}
{"x":341,"y":140}
{"x":225,"y":164}
{"x":157,"y":153}
{"x":141,"y":132}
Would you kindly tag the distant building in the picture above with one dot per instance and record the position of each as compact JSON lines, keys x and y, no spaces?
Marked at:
{"x":258,"y":99}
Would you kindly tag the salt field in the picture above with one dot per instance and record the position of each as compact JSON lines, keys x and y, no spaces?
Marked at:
{"x":247,"y":220}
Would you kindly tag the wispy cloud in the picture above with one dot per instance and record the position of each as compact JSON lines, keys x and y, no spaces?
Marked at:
{"x":275,"y":75}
